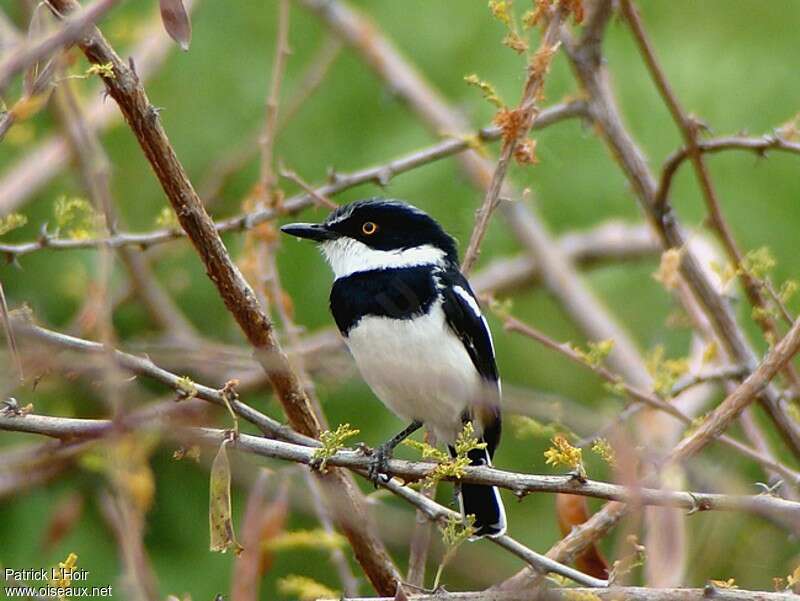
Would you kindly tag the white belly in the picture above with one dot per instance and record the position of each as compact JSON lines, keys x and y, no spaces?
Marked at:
{"x":418,"y":368}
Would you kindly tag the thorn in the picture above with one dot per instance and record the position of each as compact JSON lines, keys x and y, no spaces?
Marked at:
{"x":331,"y":175}
{"x":769,"y":489}
{"x":383,"y":177}
{"x":695,"y":505}
{"x":577,"y":476}
{"x":10,"y":407}
{"x":132,"y":66}
{"x":44,"y":235}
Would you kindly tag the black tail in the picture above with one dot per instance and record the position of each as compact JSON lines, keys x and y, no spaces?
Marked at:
{"x":482,"y":501}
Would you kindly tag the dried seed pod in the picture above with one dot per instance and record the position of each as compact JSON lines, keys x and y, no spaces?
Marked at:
{"x":176,"y":22}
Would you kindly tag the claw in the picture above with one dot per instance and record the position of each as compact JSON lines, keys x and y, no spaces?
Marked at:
{"x":379,"y":465}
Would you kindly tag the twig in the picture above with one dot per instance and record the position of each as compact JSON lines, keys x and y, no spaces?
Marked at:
{"x":127,"y":525}
{"x":519,"y":483}
{"x":321,"y":200}
{"x":689,"y":130}
{"x":760,"y":146}
{"x":610,"y":241}
{"x":235,"y":292}
{"x":526,"y":110}
{"x":380,"y":174}
{"x":421,"y":537}
{"x":49,"y":157}
{"x":562,"y":279}
{"x":10,"y":338}
{"x":743,"y":395}
{"x":78,"y":24}
{"x":312,"y":77}
{"x":623,"y":593}
{"x":640,"y":395}
{"x":267,"y":141}
{"x":733,"y":372}
{"x":39,"y":88}
{"x":338,"y":559}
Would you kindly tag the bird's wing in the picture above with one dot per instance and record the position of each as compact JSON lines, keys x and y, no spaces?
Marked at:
{"x":463,"y":315}
{"x":467,"y":322}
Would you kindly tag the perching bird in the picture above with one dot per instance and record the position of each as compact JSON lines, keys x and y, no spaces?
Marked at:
{"x":415,"y":330}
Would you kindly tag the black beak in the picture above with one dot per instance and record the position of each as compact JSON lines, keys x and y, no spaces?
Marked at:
{"x":313,"y":231}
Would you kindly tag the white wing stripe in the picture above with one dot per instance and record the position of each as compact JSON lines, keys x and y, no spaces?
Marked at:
{"x":473,"y":304}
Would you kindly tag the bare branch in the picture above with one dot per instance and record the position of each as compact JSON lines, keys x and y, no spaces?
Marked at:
{"x":623,"y":593}
{"x":689,"y":130}
{"x":10,"y":338}
{"x":380,"y":175}
{"x":524,"y":113}
{"x":75,"y":27}
{"x":28,"y":175}
{"x":645,"y":397}
{"x":267,"y":141}
{"x":760,"y":146}
{"x":743,"y":395}
{"x":235,"y":292}
{"x":520,"y":484}
{"x":587,"y":61}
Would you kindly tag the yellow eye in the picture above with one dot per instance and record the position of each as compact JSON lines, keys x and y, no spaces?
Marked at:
{"x":369,"y":228}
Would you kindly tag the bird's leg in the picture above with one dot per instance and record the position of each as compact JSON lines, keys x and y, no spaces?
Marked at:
{"x":380,"y":457}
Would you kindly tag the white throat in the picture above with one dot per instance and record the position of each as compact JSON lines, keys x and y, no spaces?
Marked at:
{"x":347,"y":256}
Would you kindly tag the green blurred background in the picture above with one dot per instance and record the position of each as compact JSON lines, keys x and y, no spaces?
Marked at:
{"x":733,"y":63}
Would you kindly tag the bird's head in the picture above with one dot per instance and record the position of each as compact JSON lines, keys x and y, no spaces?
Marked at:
{"x":378,"y":233}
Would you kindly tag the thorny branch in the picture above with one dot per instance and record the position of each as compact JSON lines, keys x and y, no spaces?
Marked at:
{"x":522,"y":118}
{"x":381,"y":175}
{"x":45,"y":160}
{"x":758,"y":145}
{"x":646,"y":397}
{"x":409,"y":471}
{"x":690,"y":130}
{"x":74,"y":27}
{"x":236,"y":293}
{"x":622,"y":593}
{"x":587,"y":61}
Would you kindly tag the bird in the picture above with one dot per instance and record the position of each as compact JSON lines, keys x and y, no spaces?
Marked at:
{"x":415,"y":329}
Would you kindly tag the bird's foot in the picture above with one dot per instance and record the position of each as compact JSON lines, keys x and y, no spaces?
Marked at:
{"x":379,"y":464}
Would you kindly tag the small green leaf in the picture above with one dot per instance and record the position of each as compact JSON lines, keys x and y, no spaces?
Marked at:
{"x":11,"y":221}
{"x":76,"y":217}
{"x":454,"y":533}
{"x":603,"y":449}
{"x":307,"y":539}
{"x":186,"y":387}
{"x":564,"y":454}
{"x":596,"y":353}
{"x":305,"y":589}
{"x":488,"y":91}
{"x":332,"y":442}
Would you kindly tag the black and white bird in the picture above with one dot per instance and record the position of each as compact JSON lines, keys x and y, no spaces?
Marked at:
{"x":415,"y":330}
